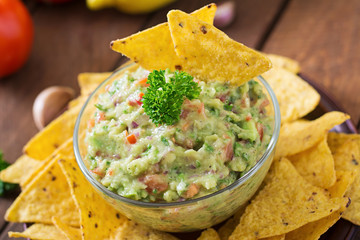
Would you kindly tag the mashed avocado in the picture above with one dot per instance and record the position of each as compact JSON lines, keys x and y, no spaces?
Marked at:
{"x":219,"y":137}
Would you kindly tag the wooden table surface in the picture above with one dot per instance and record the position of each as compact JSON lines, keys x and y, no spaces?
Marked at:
{"x":323,"y":35}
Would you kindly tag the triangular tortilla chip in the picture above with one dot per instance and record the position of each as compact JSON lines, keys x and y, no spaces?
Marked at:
{"x":316,"y":164}
{"x":132,"y":230}
{"x":346,"y":150}
{"x":286,"y":203}
{"x":315,"y":229}
{"x":97,"y":218}
{"x":209,"y":234}
{"x":295,"y":96}
{"x":66,"y":149}
{"x":285,"y":63}
{"x":69,"y":232}
{"x":209,"y":54}
{"x":53,"y":135}
{"x":153,"y":48}
{"x":300,"y":135}
{"x":39,"y":232}
{"x":353,"y":212}
{"x":46,"y":196}
{"x":20,"y":170}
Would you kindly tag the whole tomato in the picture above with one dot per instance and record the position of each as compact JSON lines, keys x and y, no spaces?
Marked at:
{"x":16,"y":36}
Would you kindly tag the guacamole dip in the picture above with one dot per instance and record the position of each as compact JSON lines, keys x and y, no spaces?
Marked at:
{"x":217,"y":137}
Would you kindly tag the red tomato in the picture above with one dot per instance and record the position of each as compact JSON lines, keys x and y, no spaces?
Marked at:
{"x":16,"y":36}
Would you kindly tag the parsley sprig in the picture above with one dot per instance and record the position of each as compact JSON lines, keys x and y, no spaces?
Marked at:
{"x":163,"y":99}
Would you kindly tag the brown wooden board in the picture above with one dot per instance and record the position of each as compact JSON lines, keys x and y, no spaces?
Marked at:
{"x":69,"y":39}
{"x":324,"y":36}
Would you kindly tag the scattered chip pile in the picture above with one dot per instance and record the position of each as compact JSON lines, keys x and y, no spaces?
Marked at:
{"x":314,"y":175}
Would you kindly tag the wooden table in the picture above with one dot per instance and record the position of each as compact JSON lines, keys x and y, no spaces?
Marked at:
{"x":323,"y":35}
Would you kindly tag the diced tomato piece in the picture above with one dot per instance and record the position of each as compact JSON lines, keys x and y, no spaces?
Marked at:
{"x":131,"y":138}
{"x":260,"y":129}
{"x":154,"y":181}
{"x":228,"y":151}
{"x":91,"y":123}
{"x":192,"y":191}
{"x":248,"y":118}
{"x":111,"y":172}
{"x":142,"y":82}
{"x":100,"y":117}
{"x":97,"y":171}
{"x":139,"y":98}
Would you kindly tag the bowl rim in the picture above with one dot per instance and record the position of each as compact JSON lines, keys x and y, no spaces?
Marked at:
{"x":95,"y":183}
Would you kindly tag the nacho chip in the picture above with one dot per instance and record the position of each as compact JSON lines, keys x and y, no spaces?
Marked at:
{"x":53,"y":135}
{"x":298,"y":136}
{"x":134,"y":231}
{"x":226,"y":229}
{"x":89,"y":81}
{"x":316,"y":164}
{"x":285,"y":63}
{"x":66,"y":149}
{"x":20,"y":170}
{"x":209,"y":234}
{"x":153,"y":48}
{"x":69,"y":232}
{"x":286,"y":203}
{"x":295,"y":96}
{"x":209,"y":54}
{"x":353,"y":212}
{"x":46,"y":196}
{"x":97,"y":218}
{"x":39,"y":232}
{"x":280,"y":237}
{"x":344,"y":179}
{"x":315,"y":229}
{"x":346,"y":150}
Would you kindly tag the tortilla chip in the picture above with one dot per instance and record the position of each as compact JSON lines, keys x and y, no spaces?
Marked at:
{"x":285,"y":63}
{"x":346,"y":151}
{"x":209,"y":234}
{"x":344,"y":179}
{"x":69,"y":232}
{"x":97,"y":218}
{"x":153,"y":48}
{"x":298,"y":136}
{"x":46,"y":196}
{"x":316,"y":164}
{"x":89,"y":81}
{"x":66,"y":149}
{"x":286,"y":203}
{"x":226,"y":229}
{"x":209,"y":54}
{"x":315,"y":229}
{"x":280,"y":237}
{"x":353,"y":212}
{"x":295,"y":96}
{"x":134,"y":231}
{"x":20,"y":170}
{"x":39,"y":232}
{"x":53,"y":135}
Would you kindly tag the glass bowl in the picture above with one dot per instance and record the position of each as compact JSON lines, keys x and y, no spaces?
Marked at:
{"x":190,"y":215}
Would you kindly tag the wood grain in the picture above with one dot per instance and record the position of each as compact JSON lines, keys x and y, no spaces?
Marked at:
{"x":324,"y":36}
{"x":69,"y":39}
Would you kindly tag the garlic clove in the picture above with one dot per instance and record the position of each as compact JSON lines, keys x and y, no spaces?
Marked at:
{"x":225,"y":14}
{"x":49,"y":103}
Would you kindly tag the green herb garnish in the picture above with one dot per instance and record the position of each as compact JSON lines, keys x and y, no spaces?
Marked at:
{"x":4,"y":186}
{"x":163,"y":98}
